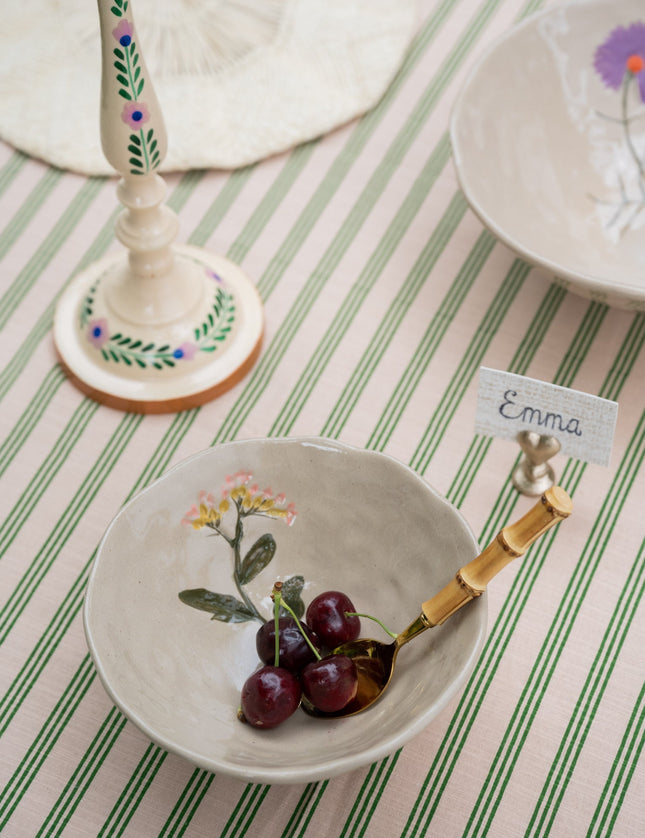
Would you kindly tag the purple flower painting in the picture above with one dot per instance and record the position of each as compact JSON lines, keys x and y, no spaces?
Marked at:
{"x":622,"y":57}
{"x":620,"y":63}
{"x":135,"y":114}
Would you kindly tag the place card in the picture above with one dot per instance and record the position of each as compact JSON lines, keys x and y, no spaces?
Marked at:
{"x":583,"y":424}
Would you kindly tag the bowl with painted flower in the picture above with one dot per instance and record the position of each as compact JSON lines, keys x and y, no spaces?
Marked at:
{"x":182,"y":584}
{"x":548,"y":138}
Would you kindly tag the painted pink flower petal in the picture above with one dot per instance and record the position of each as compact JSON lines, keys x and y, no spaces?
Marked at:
{"x":185,"y":352}
{"x":97,"y":332}
{"x":135,"y":114}
{"x":123,"y":33}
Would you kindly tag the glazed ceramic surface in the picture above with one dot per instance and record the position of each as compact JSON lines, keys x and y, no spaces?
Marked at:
{"x":341,"y":518}
{"x":549,"y":150}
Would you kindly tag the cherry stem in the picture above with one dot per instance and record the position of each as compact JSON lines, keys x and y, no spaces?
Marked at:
{"x":369,"y":617}
{"x":277,"y":596}
{"x":289,"y":609}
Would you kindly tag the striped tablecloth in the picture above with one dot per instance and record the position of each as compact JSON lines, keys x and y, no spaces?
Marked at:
{"x":384,"y":295}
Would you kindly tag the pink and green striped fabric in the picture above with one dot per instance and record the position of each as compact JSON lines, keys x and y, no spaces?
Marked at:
{"x":383,"y":295}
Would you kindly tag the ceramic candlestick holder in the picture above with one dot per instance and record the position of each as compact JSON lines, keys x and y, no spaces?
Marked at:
{"x":533,"y":474}
{"x":158,"y":328}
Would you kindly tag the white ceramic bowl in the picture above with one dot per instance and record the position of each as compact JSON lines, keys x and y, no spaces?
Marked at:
{"x":365,"y":524}
{"x":540,"y":156}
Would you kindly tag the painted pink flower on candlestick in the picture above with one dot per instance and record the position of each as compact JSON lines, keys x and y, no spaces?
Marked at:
{"x":135,"y":114}
{"x":123,"y":33}
{"x":97,"y":332}
{"x":621,"y":56}
{"x":186,"y":351}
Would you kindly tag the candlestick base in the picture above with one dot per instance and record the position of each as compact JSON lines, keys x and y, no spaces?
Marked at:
{"x":179,"y":343}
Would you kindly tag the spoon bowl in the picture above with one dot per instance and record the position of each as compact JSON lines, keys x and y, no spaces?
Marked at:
{"x":375,"y":660}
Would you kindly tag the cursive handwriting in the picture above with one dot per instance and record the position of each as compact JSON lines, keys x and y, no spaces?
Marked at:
{"x":509,"y":409}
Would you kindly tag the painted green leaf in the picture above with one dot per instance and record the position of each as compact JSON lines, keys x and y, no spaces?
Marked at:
{"x":116,"y":11}
{"x":125,"y":94}
{"x":120,"y":66}
{"x":119,"y":53}
{"x":151,"y":134}
{"x":291,"y":592}
{"x":140,"y":87}
{"x":133,"y":149}
{"x":257,"y":558}
{"x":133,"y":161}
{"x":135,"y":139}
{"x":122,"y":79}
{"x":148,"y":347}
{"x":223,"y":607}
{"x":141,"y":363}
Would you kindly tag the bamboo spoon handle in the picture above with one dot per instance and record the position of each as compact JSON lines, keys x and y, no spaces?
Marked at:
{"x":512,"y":541}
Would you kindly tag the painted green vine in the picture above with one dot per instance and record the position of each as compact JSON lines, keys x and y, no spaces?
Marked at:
{"x":121,"y":348}
{"x":143,"y":145}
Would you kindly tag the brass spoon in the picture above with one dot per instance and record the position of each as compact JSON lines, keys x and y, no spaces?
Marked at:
{"x":375,"y":660}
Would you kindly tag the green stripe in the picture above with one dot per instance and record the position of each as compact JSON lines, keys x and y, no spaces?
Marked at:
{"x":56,"y":237}
{"x":370,"y":793}
{"x":305,"y":810}
{"x":572,"y":742}
{"x":67,"y":522}
{"x":59,"y":815}
{"x":30,"y":417}
{"x":188,"y":803}
{"x":472,"y":697}
{"x":27,"y":502}
{"x":245,"y":810}
{"x":300,"y":810}
{"x":47,"y":737}
{"x":424,"y":353}
{"x":350,"y":306}
{"x":132,"y":795}
{"x":469,"y":365}
{"x":268,"y":206}
{"x":233,"y":185}
{"x":621,"y":773}
{"x":492,"y":791}
{"x":263,"y":372}
{"x":26,"y":212}
{"x":11,"y":169}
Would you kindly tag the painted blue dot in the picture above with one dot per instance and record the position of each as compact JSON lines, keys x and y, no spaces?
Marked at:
{"x":96,"y":332}
{"x":125,"y":40}
{"x":178,"y":353}
{"x":137,"y":116}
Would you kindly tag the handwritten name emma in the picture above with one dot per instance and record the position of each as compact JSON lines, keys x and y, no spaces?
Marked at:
{"x":546,"y":419}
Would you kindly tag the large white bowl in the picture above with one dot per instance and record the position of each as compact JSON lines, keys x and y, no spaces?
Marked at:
{"x":365,"y":524}
{"x":540,"y":156}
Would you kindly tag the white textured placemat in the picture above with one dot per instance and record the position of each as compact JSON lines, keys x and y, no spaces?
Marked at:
{"x":237,"y":80}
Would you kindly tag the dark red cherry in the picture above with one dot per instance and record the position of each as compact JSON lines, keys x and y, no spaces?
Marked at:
{"x":269,"y":696}
{"x":326,"y":616}
{"x":295,"y":652}
{"x":330,"y":683}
